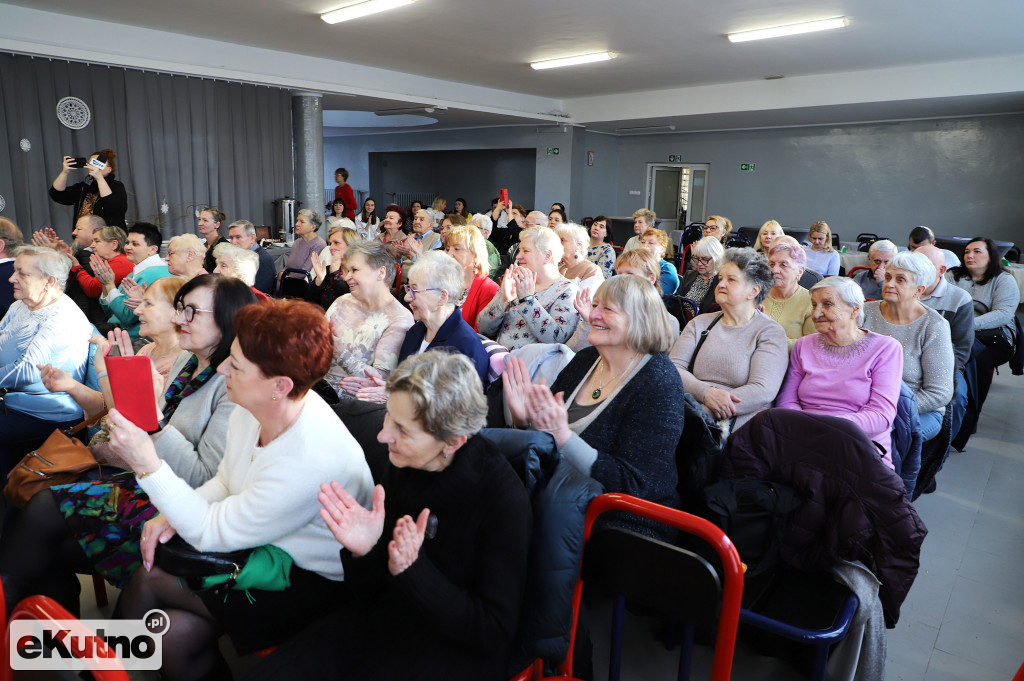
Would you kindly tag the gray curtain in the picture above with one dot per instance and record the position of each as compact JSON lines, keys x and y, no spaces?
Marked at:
{"x":180,"y":141}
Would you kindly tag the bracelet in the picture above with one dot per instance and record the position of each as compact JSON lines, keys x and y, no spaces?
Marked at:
{"x":102,"y":374}
{"x":140,"y":476}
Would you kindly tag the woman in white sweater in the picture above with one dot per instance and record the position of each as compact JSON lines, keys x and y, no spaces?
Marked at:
{"x":281,"y":446}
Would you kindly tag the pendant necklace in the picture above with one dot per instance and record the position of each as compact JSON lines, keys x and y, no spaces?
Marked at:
{"x":597,"y":391}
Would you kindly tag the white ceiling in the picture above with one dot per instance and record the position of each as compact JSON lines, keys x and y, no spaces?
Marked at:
{"x":663,"y":46}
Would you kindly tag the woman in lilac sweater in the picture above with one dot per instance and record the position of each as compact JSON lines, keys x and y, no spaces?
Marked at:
{"x":844,"y":370}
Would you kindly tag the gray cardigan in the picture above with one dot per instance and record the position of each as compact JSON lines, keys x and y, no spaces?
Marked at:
{"x":1000,"y":294}
{"x":192,"y":443}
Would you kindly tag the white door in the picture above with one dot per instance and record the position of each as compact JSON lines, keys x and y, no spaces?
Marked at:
{"x":677,"y":192}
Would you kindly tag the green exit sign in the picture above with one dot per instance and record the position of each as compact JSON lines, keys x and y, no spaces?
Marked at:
{"x":675,"y":159}
{"x":552,"y":151}
{"x":747,"y":166}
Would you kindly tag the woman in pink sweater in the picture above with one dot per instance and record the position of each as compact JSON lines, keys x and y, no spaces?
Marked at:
{"x":844,"y":370}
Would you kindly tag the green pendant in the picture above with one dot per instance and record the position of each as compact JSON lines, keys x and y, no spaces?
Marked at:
{"x":596,"y":394}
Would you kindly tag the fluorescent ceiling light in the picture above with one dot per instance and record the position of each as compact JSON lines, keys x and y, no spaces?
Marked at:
{"x":791,"y":29}
{"x":646,"y":128}
{"x":362,"y":9}
{"x":573,"y":61}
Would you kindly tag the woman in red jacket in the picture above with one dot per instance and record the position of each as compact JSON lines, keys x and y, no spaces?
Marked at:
{"x":107,"y":245}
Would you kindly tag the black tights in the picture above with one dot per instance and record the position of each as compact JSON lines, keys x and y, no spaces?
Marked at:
{"x":39,"y":555}
{"x":190,"y":651}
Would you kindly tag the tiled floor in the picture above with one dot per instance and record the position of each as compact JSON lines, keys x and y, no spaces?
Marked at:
{"x":964,"y":617}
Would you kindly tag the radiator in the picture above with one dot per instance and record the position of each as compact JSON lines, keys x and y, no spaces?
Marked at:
{"x":405,"y":199}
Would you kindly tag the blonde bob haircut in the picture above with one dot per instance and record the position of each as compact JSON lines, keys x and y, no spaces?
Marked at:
{"x":650,"y":328}
{"x":770,"y":224}
{"x":348,"y":235}
{"x":445,"y":391}
{"x":643,"y":260}
{"x":188,"y":243}
{"x":576,"y":234}
{"x":821,"y":227}
{"x":545,"y":241}
{"x":722,"y":221}
{"x":471,"y":238}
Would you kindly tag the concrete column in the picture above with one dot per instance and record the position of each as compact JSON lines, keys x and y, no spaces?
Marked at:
{"x":308,"y":146}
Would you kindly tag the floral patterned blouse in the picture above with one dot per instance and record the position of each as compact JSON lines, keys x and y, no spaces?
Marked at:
{"x":550,"y":317}
{"x":603,"y":255}
{"x":365,"y":339}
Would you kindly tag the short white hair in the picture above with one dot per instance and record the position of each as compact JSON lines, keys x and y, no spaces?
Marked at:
{"x":188,"y":243}
{"x":483,"y":223}
{"x":441,"y":271}
{"x":919,"y":265}
{"x":51,"y":263}
{"x":244,"y":261}
{"x":848,"y":291}
{"x":576,"y":234}
{"x":545,"y":241}
{"x":883,"y":245}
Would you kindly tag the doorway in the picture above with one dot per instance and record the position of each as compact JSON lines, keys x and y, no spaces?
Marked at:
{"x":677,"y":192}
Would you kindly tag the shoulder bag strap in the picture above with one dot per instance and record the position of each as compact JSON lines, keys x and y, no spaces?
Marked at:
{"x":86,"y":422}
{"x":703,"y":337}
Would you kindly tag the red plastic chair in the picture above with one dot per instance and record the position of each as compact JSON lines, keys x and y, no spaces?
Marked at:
{"x":854,"y":270}
{"x":43,"y":608}
{"x":605,"y":549}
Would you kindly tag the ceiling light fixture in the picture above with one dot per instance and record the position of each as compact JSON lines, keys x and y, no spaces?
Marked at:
{"x":790,"y":29}
{"x":647,"y":128}
{"x":572,"y":61}
{"x":362,"y":9}
{"x":428,"y":109}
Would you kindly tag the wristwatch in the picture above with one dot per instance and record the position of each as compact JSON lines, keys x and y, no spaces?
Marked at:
{"x":526,"y":299}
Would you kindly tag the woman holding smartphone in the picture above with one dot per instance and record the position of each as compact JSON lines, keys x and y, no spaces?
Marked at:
{"x":99,"y":194}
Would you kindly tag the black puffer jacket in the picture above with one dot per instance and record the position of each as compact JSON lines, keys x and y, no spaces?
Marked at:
{"x":855,"y":507}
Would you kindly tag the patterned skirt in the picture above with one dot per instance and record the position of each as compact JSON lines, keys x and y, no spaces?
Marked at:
{"x":106,"y":517}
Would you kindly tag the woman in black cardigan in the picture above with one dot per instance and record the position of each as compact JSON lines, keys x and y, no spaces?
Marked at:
{"x":437,"y":568}
{"x":698,"y":282}
{"x":100,"y":195}
{"x":616,"y":409}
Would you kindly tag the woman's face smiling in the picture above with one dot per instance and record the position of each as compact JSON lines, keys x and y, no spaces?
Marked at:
{"x":201,"y":335}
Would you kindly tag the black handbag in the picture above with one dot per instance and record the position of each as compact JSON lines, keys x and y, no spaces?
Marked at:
{"x":179,"y":558}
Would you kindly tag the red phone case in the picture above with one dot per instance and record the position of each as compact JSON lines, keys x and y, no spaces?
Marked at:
{"x":131,"y":382}
{"x":503,"y":197}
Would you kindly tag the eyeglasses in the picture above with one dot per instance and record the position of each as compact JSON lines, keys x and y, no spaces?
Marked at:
{"x":704,"y":261}
{"x":710,"y":228}
{"x":412,"y":292}
{"x":188,"y":311}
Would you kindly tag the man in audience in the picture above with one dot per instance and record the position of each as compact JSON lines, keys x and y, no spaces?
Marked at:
{"x":143,"y":249}
{"x":870,"y":281}
{"x":85,"y":227}
{"x":209,"y":222}
{"x":10,"y":240}
{"x":242,"y":233}
{"x":922,"y":236}
{"x":643,"y":220}
{"x":956,"y":305}
{"x":423,"y":238}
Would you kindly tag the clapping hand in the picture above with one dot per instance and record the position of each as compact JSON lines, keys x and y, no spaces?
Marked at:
{"x":376,"y":390}
{"x":526,"y":281}
{"x":516,"y":385}
{"x":583,"y":304}
{"x":101,"y":269}
{"x":509,"y":292}
{"x":355,"y":528}
{"x":56,"y":380}
{"x":133,"y":292}
{"x":45,"y":237}
{"x":547,"y":412}
{"x":319,"y":269}
{"x":404,"y":549}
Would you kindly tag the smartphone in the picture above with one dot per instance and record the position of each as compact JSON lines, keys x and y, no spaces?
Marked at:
{"x":80,"y":161}
{"x":503,"y":196}
{"x":114,"y":351}
{"x":131,"y":382}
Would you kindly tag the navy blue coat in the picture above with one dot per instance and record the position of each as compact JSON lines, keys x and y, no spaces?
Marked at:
{"x":454,"y":333}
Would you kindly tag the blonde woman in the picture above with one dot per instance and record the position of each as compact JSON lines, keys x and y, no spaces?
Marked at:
{"x":769,"y":231}
{"x":574,"y":266}
{"x":821,"y":257}
{"x":329,"y":279}
{"x":718,"y":226}
{"x":466,"y":244}
{"x":185,"y":256}
{"x":436,"y":210}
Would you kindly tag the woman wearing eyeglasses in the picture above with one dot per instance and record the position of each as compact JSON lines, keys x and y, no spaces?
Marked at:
{"x":699,"y":281}
{"x":433,"y":293}
{"x":718,"y":226}
{"x":96,"y":525}
{"x":369,"y":324}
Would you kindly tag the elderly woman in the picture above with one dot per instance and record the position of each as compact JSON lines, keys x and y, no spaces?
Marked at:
{"x":240,"y":263}
{"x":643,"y":220}
{"x":600,"y":252}
{"x":574,"y":266}
{"x":157,"y":315}
{"x":466,"y":245}
{"x":821,"y":257}
{"x":640,"y":262}
{"x":94,"y":526}
{"x":718,"y":227}
{"x":738,"y":371}
{"x":282,"y":445}
{"x":927,"y":347}
{"x":614,"y":410}
{"x":329,"y":279}
{"x":391,"y":226}
{"x":185,"y":254}
{"x":308,"y":243}
{"x":656,"y":241}
{"x":108,"y":245}
{"x":870,"y":280}
{"x":453,"y":600}
{"x":769,"y":232}
{"x":483,"y":223}
{"x":43,"y":326}
{"x":437,"y":209}
{"x":534,"y":303}
{"x":367,"y":222}
{"x":434,"y":288}
{"x":700,"y":281}
{"x":844,"y":370}
{"x":788,"y":302}
{"x":369,"y":324}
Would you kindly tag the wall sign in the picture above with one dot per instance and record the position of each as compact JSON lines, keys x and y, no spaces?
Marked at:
{"x":552,"y":151}
{"x":747,"y":167}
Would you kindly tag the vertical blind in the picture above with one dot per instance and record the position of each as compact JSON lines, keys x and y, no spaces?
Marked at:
{"x":181,"y":142}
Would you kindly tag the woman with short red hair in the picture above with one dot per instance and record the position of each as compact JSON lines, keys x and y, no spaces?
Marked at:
{"x":280,"y":448}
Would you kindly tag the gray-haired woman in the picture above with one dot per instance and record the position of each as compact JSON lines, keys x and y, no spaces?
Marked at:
{"x":928,"y":361}
{"x":453,"y":600}
{"x":698,"y":283}
{"x":309,"y":243}
{"x":738,"y":371}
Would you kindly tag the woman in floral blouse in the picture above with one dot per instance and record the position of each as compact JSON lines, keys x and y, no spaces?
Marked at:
{"x":601,"y":252}
{"x":369,"y":323}
{"x":534,"y":303}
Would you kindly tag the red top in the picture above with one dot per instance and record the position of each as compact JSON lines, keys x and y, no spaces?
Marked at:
{"x":92,"y":286}
{"x":481,"y":293}
{"x":346,"y":194}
